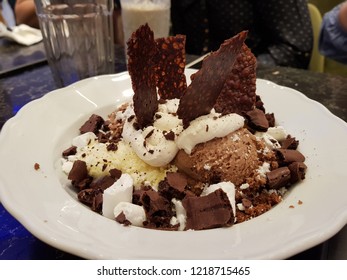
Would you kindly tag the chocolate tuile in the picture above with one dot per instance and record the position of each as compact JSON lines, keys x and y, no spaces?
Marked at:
{"x":141,"y":51}
{"x":170,"y":66}
{"x":239,"y":91}
{"x":207,"y":83}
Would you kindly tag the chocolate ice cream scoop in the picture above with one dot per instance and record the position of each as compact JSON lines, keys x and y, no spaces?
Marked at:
{"x":232,"y":158}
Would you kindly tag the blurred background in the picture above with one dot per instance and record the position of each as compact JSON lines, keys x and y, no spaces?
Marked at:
{"x":330,"y":66}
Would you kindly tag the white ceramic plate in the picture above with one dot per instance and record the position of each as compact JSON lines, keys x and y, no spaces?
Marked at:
{"x":39,"y":200}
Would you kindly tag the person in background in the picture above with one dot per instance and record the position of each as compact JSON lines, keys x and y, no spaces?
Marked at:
{"x":333,"y":34}
{"x":25,"y":13}
{"x":279,"y":31}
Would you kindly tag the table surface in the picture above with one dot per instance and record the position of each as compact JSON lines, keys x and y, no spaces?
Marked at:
{"x":25,"y":76}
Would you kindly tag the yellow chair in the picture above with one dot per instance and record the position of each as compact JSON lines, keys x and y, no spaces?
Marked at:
{"x":317,"y":60}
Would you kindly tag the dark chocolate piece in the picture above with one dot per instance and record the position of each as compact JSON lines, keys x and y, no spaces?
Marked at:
{"x":210,"y":211}
{"x":171,"y":62}
{"x":297,"y":171}
{"x":158,"y":209}
{"x":174,"y":186}
{"x":115,"y":173}
{"x":103,"y":183}
{"x":278,"y":178}
{"x":257,"y":120}
{"x":78,"y":172}
{"x":93,"y":124}
{"x":70,"y":151}
{"x":207,"y":83}
{"x":142,"y":50}
{"x":271,"y":119}
{"x":92,"y":198}
{"x":290,"y":143}
{"x":287,"y":156}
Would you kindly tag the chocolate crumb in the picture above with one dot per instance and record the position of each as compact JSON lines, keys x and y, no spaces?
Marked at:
{"x":36,"y":166}
{"x":170,"y":136}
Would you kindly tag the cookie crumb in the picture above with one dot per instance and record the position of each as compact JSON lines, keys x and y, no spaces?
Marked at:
{"x":36,"y":166}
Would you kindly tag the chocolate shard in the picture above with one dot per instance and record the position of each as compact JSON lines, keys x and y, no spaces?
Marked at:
{"x":297,"y":171}
{"x":239,"y":91}
{"x":201,"y":95}
{"x":78,"y":172}
{"x":69,"y":151}
{"x":142,"y":51}
{"x":290,"y":143}
{"x":174,"y":186}
{"x":278,"y":178}
{"x":210,"y":211}
{"x":271,"y":119}
{"x":256,"y":119}
{"x":92,"y":198}
{"x":171,"y":62}
{"x":287,"y":156}
{"x":103,"y":183}
{"x":93,"y":124}
{"x":158,"y":210}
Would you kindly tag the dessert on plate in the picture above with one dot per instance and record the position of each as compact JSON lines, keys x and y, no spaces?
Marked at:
{"x":184,"y":157}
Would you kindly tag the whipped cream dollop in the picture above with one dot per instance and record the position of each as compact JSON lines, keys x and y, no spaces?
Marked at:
{"x":154,"y":144}
{"x":158,"y":144}
{"x":207,"y":127}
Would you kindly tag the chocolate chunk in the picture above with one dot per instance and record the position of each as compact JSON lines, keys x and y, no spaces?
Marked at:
{"x":278,"y":178}
{"x":138,"y":194}
{"x":297,"y":171}
{"x":259,"y":104}
{"x":92,"y":198}
{"x":271,"y":119}
{"x":176,"y":180}
{"x":171,"y":62}
{"x":290,"y":143}
{"x":93,"y":124}
{"x":238,"y":94}
{"x":84,"y":184}
{"x":70,"y":151}
{"x":115,"y":173}
{"x":158,"y":209}
{"x":141,"y":51}
{"x":78,"y":172}
{"x":257,"y":120}
{"x":122,"y":219}
{"x":97,"y":202}
{"x":207,"y":83}
{"x":287,"y":156}
{"x":174,"y":186}
{"x":210,"y":211}
{"x":103,"y":183}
